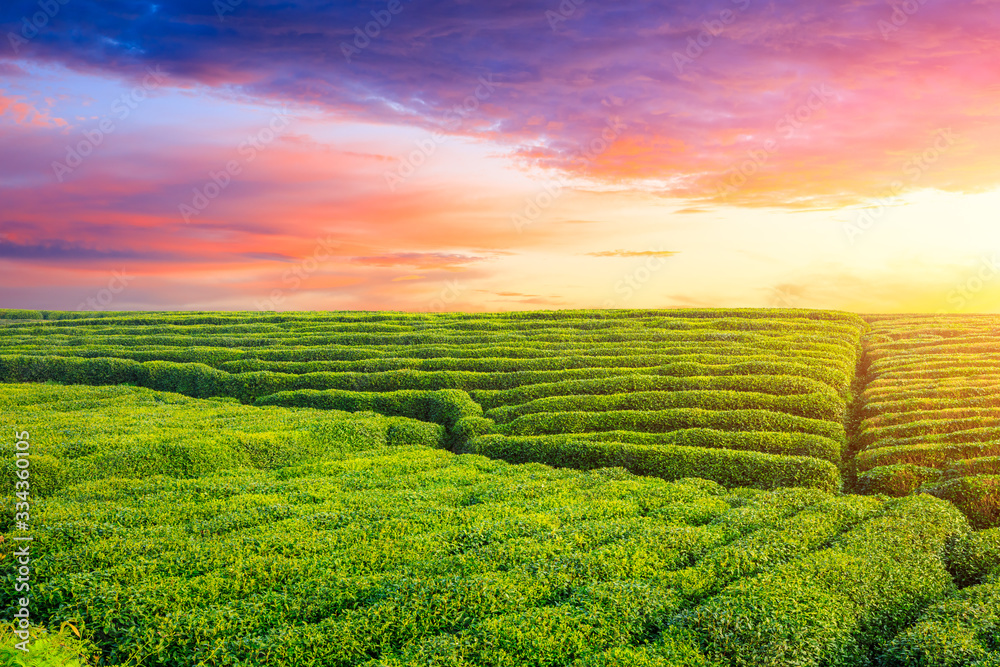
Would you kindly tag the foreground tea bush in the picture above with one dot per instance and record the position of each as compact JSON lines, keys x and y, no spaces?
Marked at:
{"x":406,"y":555}
{"x":978,"y":496}
{"x":973,"y":557}
{"x":841,"y":605}
{"x":399,"y":556}
{"x":96,"y":432}
{"x":962,"y":631}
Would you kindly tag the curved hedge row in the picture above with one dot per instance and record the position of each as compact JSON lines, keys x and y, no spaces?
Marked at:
{"x":730,"y":468}
{"x":963,"y":397}
{"x":972,"y":435}
{"x":821,"y":406}
{"x":247,"y":386}
{"x":946,"y":388}
{"x":924,"y":428}
{"x":985,"y":465}
{"x":659,"y":421}
{"x":445,"y":406}
{"x":508,"y":365}
{"x":930,"y":455}
{"x":766,"y":442}
{"x":266,"y":354}
{"x":778,"y":385}
{"x":944,"y":414}
{"x":897,"y":480}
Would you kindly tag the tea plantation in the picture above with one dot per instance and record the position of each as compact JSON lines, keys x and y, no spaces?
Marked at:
{"x":931,"y":411}
{"x":550,"y":488}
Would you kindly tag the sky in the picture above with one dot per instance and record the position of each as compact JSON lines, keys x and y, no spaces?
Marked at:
{"x":420,"y":155}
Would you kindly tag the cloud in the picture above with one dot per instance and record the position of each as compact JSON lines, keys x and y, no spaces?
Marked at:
{"x":692,"y":116}
{"x":63,"y":250}
{"x":634,"y":253}
{"x":427,"y":260}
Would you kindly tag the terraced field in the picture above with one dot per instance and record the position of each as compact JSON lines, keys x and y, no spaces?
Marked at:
{"x":572,"y":488}
{"x":745,"y":398}
{"x":931,"y":411}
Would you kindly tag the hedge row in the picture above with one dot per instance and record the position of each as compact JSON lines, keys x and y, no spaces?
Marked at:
{"x":946,"y":371}
{"x":972,"y":435}
{"x":964,"y":397}
{"x":766,"y":442}
{"x":214,"y":350}
{"x":931,"y":361}
{"x":659,"y":421}
{"x":203,"y":381}
{"x":955,"y":413}
{"x":985,"y":465}
{"x":727,"y":467}
{"x":550,"y":363}
{"x":928,"y":455}
{"x":823,"y":406}
{"x":897,"y":480}
{"x":490,"y":359}
{"x":918,"y":351}
{"x":209,"y":381}
{"x":778,"y":385}
{"x":411,"y":339}
{"x":953,"y":388}
{"x":834,"y":340}
{"x":837,"y":606}
{"x":444,"y":332}
{"x":925,"y":427}
{"x":445,"y":406}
